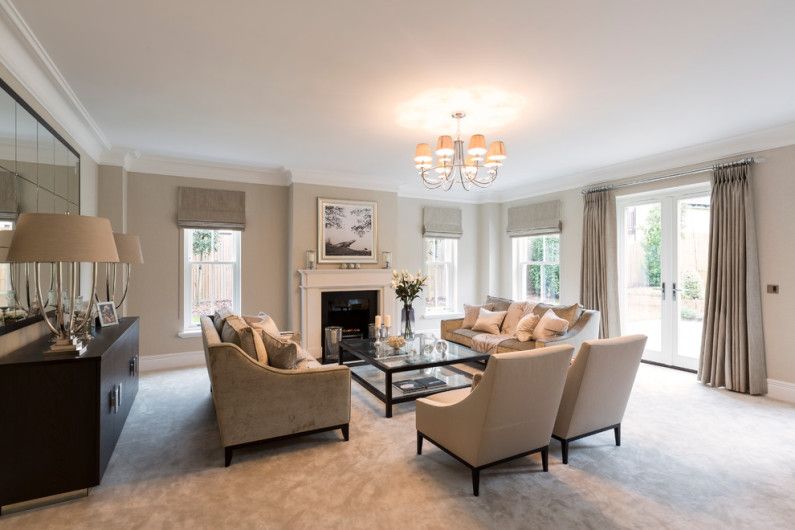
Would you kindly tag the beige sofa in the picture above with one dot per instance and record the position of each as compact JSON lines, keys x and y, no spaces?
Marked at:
{"x":586,"y":327}
{"x":255,"y":402}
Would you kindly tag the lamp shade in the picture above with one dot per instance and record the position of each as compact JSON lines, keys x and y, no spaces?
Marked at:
{"x":423,"y":153}
{"x":444,"y":146}
{"x":51,"y":237}
{"x":129,"y":248}
{"x":5,"y":243}
{"x":496,"y":151}
{"x":477,"y":145}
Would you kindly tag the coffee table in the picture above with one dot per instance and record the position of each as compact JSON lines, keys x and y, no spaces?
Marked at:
{"x":377,"y":373}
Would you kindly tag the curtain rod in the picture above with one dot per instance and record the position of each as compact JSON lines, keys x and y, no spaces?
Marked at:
{"x":608,"y":186}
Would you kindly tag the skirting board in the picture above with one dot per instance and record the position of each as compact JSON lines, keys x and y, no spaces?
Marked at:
{"x":781,"y":390}
{"x":172,"y":361}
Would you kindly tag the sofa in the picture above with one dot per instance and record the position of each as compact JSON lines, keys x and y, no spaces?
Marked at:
{"x":255,"y":402}
{"x":584,"y":327}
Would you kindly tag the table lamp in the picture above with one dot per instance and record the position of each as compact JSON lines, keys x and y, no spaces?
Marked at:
{"x":64,"y":241}
{"x":128,"y":247}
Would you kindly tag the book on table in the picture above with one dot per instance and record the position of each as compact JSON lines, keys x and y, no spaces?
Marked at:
{"x":418,"y":384}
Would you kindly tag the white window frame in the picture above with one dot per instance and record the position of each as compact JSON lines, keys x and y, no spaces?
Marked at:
{"x":519,"y":248}
{"x":452,"y":307}
{"x":188,"y":328}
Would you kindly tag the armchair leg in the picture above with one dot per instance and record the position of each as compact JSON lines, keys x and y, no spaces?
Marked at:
{"x":564,"y":449}
{"x":617,"y":432}
{"x":419,"y":443}
{"x":345,"y":432}
{"x":545,"y":458}
{"x":227,"y":456}
{"x":475,"y":482}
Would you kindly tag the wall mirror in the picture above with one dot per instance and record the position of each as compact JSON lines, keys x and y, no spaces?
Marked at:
{"x":39,"y":172}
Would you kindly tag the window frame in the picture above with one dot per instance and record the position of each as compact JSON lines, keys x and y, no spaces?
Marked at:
{"x":519,"y":272}
{"x":187,"y":326}
{"x":452,"y":282}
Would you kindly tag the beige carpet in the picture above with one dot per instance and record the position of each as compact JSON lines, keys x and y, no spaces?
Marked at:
{"x":693,"y":457}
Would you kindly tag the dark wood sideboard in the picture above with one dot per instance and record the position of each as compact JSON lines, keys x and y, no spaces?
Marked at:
{"x":60,"y":417}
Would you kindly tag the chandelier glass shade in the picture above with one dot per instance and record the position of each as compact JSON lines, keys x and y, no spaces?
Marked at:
{"x":475,"y":166}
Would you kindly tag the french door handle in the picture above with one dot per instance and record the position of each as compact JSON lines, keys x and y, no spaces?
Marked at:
{"x":662,"y":290}
{"x":674,"y":290}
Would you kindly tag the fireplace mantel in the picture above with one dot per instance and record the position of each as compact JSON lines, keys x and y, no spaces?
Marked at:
{"x":316,"y":281}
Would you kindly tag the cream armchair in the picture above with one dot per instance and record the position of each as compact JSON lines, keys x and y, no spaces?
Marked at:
{"x":508,"y":415}
{"x":256,"y":403}
{"x":597,"y":389}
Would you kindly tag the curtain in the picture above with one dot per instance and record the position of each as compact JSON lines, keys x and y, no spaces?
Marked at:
{"x":732,"y":344}
{"x":599,"y":271}
{"x":211,"y":209}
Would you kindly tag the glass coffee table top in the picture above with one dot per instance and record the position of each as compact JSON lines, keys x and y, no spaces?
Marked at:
{"x":409,"y":357}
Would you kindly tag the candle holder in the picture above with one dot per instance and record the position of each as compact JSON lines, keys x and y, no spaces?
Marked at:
{"x":311,"y":260}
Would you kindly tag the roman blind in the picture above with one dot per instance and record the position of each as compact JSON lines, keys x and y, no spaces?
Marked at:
{"x":442,"y":222}
{"x":211,"y":209}
{"x":8,"y":196}
{"x":534,"y":219}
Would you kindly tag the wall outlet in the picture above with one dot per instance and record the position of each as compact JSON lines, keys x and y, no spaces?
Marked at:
{"x":772,"y":289}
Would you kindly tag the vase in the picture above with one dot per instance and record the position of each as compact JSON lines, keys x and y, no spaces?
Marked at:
{"x":407,"y":321}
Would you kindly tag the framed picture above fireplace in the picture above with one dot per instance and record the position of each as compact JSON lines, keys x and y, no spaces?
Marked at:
{"x":347,"y":231}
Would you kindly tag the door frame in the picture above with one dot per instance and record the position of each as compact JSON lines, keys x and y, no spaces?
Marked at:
{"x":669,"y":217}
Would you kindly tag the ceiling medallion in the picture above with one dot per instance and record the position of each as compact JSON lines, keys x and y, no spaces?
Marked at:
{"x":479,"y":167}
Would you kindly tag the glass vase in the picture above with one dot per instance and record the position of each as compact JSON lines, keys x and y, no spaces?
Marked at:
{"x":407,"y":321}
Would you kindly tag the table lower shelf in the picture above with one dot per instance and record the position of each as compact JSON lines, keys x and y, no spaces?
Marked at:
{"x":380,"y":384}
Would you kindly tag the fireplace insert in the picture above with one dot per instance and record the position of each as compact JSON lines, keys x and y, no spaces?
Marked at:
{"x":350,"y":310}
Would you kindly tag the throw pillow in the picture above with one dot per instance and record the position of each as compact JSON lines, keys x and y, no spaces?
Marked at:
{"x":515,"y":313}
{"x":219,"y":317}
{"x":471,"y":313}
{"x":251,"y":343}
{"x":570,"y":313}
{"x":264,"y":323}
{"x":500,"y":304}
{"x":281,"y":353}
{"x":526,"y":326}
{"x":550,"y":325}
{"x":489,"y":321}
{"x":231,"y":330}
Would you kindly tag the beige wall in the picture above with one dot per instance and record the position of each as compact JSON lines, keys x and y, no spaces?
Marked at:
{"x":155,"y":289}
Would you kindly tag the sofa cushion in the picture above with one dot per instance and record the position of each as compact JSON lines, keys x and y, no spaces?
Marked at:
{"x":463,"y":336}
{"x":471,"y":313}
{"x":489,"y":321}
{"x":219,"y":317}
{"x":500,"y":304}
{"x":281,"y":353}
{"x":515,"y":313}
{"x":570,"y":313}
{"x":233,"y":324}
{"x":518,"y":345}
{"x":550,"y":326}
{"x":265,"y":323}
{"x":525,"y":327}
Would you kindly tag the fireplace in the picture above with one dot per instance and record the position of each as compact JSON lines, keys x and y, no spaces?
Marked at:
{"x":350,"y":310}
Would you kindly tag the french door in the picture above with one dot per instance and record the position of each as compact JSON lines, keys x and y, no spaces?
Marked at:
{"x":663,"y":252}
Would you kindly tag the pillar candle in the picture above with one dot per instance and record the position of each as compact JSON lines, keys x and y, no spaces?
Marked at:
{"x":378,"y":321}
{"x":388,"y":321}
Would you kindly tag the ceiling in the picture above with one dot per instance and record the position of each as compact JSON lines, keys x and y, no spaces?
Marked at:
{"x":319,"y":85}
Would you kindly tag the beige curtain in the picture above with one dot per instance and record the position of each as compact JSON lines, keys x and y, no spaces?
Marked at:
{"x":599,"y":272}
{"x":732,"y":345}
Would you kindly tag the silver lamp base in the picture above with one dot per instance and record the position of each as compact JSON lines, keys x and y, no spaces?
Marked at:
{"x":67,"y":345}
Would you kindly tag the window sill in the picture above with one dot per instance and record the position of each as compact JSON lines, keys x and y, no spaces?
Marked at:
{"x":434,"y":316}
{"x":189,"y":333}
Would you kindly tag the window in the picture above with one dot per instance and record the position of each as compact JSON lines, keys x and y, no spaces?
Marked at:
{"x":536,"y":265}
{"x":211,"y":273}
{"x":441,"y":262}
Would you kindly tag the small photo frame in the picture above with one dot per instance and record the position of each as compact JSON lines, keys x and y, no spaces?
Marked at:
{"x":107,"y":314}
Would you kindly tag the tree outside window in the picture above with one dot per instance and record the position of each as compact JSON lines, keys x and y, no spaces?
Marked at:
{"x":537,"y":268}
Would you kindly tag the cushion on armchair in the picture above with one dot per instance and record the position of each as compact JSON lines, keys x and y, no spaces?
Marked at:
{"x":489,"y":321}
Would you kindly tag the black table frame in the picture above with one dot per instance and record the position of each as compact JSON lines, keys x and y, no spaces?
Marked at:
{"x":350,"y":347}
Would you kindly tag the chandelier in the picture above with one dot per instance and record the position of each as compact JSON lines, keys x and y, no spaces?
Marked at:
{"x":479,"y":167}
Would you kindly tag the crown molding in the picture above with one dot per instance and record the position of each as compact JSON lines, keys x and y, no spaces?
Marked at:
{"x":342,"y":180}
{"x":27,"y":60}
{"x":135,"y":161}
{"x":741,"y":145}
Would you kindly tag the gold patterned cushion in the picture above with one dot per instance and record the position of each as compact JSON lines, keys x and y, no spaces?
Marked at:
{"x":570,"y":313}
{"x":489,"y":321}
{"x":526,"y":326}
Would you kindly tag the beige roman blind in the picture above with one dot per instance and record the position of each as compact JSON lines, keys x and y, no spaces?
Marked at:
{"x":212,"y":209}
{"x":8,"y":195}
{"x":442,"y":222}
{"x":534,"y":219}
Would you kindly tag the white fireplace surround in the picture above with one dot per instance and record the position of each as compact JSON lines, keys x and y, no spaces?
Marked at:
{"x":317,"y":281}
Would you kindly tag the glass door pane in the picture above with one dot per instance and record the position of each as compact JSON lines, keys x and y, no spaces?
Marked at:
{"x":691,"y":276}
{"x":641,"y":278}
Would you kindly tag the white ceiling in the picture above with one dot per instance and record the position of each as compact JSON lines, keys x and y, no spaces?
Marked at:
{"x":317,"y":85}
